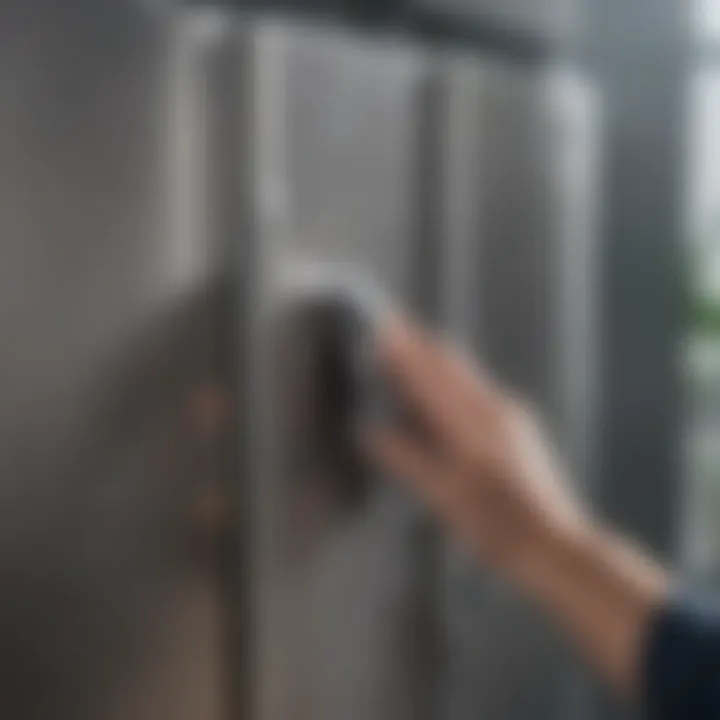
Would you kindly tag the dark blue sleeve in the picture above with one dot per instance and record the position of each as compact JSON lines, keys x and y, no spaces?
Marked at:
{"x":682,"y":668}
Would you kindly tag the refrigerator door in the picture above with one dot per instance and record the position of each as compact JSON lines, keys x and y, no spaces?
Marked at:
{"x":334,"y":133}
{"x":369,"y":159}
{"x":112,"y":373}
{"x":518,"y":291}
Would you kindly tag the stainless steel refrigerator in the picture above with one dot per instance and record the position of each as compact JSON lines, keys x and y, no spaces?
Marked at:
{"x":169,"y":176}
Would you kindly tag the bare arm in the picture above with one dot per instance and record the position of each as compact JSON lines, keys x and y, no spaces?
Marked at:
{"x":482,"y":464}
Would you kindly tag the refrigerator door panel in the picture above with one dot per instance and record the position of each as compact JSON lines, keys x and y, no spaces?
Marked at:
{"x":334,"y":131}
{"x":518,"y":264}
{"x":113,"y":322}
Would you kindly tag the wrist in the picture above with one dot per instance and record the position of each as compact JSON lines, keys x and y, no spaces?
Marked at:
{"x":600,"y":588}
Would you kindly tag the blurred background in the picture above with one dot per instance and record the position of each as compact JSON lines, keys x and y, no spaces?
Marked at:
{"x":183,"y":533}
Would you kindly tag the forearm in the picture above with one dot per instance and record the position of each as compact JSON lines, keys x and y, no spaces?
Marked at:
{"x":601,"y":590}
{"x":484,"y":465}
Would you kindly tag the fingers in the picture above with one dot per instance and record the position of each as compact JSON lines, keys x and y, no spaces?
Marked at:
{"x":443,"y":490}
{"x":441,"y":385}
{"x":469,"y":383}
{"x":415,"y":366}
{"x":403,"y":458}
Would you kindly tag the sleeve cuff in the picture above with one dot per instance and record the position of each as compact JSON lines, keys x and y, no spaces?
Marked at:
{"x":682,"y":661}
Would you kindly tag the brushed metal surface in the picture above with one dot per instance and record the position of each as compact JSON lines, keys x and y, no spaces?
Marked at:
{"x":519,"y":293}
{"x":334,"y":130}
{"x":110,"y":602}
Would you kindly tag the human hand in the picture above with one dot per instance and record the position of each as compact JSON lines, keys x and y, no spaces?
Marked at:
{"x":480,"y":460}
